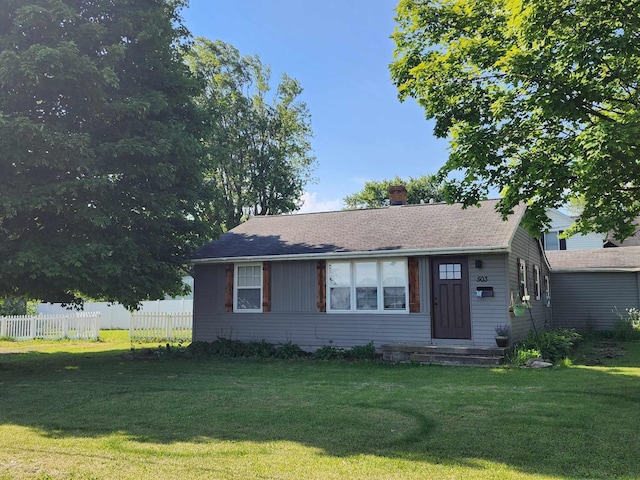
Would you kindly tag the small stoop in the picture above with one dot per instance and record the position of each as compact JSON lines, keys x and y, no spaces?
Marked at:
{"x":443,"y":354}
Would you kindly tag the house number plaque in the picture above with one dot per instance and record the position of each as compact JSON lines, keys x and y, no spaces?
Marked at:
{"x":482,"y":278}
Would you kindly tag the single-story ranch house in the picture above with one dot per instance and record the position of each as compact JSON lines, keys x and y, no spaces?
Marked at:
{"x":432,"y":274}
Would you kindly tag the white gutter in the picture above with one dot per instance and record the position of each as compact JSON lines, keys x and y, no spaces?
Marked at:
{"x":365,"y":254}
{"x":596,"y":270}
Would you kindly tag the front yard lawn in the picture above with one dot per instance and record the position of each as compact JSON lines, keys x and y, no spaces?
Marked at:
{"x":88,"y":413}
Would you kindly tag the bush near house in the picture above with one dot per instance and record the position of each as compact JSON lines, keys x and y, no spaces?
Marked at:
{"x":223,"y":347}
{"x":553,"y":345}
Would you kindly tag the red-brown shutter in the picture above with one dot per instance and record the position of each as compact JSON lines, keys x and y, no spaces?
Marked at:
{"x":414,"y":285}
{"x":321,"y":269}
{"x":228,"y":294}
{"x":266,"y":287}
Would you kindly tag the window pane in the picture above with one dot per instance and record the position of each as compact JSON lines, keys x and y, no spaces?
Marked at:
{"x":340,"y":298}
{"x":249,"y":299}
{"x":393,"y":273}
{"x":339,"y":274}
{"x":249,"y":276}
{"x":366,"y":273}
{"x":551,"y":241}
{"x":367,"y":298}
{"x":394,"y":298}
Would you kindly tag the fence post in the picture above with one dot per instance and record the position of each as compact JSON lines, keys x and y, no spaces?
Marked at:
{"x":3,"y":327}
{"x":32,"y":328}
{"x":168,"y":324}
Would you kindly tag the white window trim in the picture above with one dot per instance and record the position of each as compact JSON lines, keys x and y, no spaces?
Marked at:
{"x":523,"y":278}
{"x":236,"y":309}
{"x":380,"y":288}
{"x":547,"y":291}
{"x":536,"y":281}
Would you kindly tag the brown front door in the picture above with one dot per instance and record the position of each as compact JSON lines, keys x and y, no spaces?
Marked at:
{"x":450,"y":312}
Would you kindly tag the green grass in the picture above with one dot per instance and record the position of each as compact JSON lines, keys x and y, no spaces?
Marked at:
{"x":79,"y":410}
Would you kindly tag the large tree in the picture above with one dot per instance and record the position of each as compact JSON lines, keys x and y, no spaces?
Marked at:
{"x":257,"y":140}
{"x":375,"y":193}
{"x":99,"y":139}
{"x":539,"y":98}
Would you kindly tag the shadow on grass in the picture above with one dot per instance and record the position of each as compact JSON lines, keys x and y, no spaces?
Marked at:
{"x":575,"y":423}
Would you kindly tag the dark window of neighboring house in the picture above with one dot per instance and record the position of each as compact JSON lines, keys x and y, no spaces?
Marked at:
{"x":551,"y":241}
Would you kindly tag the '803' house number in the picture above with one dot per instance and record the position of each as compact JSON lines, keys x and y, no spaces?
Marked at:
{"x":482,"y":278}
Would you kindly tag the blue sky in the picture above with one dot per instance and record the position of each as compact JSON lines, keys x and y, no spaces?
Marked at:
{"x":339,"y":50}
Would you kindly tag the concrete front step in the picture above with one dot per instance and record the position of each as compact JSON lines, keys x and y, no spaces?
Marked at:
{"x":444,"y":359}
{"x":443,"y":354}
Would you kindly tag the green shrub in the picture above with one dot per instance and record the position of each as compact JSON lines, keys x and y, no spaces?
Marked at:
{"x":520,"y":355}
{"x":222,"y":347}
{"x":289,"y":351}
{"x":328,"y":353}
{"x":261,"y":349}
{"x":628,"y":325}
{"x":553,"y":345}
{"x":362,"y":352}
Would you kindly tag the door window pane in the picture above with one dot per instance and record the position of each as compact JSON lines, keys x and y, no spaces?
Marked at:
{"x":450,"y":271}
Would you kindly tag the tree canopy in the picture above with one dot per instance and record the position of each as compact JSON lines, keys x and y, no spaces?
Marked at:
{"x":375,"y":193}
{"x":257,"y":141}
{"x":100,"y":167}
{"x":539,"y":98}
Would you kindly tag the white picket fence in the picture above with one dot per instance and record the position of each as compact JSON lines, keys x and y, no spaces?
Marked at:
{"x":170,"y":326}
{"x":73,"y":325}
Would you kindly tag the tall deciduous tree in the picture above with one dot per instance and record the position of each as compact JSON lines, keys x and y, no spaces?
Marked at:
{"x":375,"y":193}
{"x":100,"y":155}
{"x":257,"y":141}
{"x":539,"y":98}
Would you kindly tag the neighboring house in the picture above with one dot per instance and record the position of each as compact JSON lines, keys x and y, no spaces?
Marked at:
{"x":422,"y":274}
{"x":559,"y":223}
{"x":633,"y":241}
{"x":590,"y":287}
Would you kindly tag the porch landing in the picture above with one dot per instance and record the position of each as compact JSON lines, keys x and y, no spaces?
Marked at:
{"x":443,"y":354}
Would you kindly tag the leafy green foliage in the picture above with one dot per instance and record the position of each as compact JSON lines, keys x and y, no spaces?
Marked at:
{"x":519,"y":355}
{"x":100,"y":168}
{"x":375,"y":194}
{"x":628,"y":325}
{"x":328,"y":353}
{"x":540,"y":98}
{"x":553,"y":345}
{"x":257,"y":141}
{"x":362,"y":352}
{"x":261,"y":349}
{"x":13,"y":306}
{"x":289,"y":351}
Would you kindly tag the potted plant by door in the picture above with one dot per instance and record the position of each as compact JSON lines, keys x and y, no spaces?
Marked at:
{"x":502,"y":335}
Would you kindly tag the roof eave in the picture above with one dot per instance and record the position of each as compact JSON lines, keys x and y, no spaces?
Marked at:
{"x":596,"y":270}
{"x":360,"y":254}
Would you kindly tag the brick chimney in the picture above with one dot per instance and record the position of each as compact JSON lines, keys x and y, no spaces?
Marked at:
{"x":397,"y":195}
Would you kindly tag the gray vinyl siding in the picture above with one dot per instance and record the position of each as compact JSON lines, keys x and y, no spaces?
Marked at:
{"x":487,"y":312}
{"x":528,"y":249}
{"x":293,"y":287}
{"x":294,"y":315}
{"x":588,"y":300}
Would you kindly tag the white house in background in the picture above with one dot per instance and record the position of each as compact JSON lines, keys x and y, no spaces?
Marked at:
{"x":115,"y":316}
{"x":559,"y":223}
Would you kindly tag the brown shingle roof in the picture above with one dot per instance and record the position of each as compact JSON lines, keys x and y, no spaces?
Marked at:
{"x":604,"y":259}
{"x":415,"y":228}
